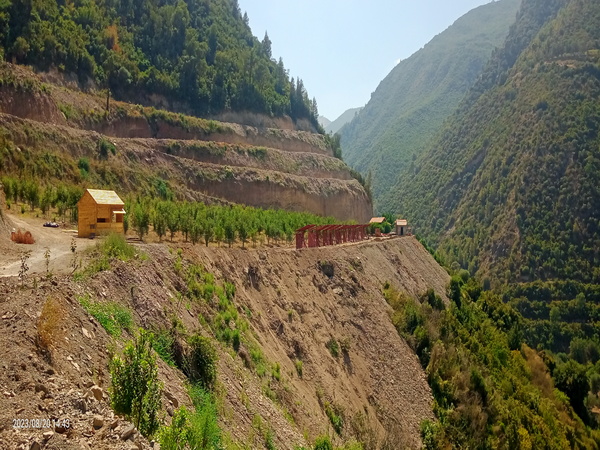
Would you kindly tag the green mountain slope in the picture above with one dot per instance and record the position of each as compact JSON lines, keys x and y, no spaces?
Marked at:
{"x":197,"y":56}
{"x":510,"y":187}
{"x":412,"y":102}
{"x":345,"y":118}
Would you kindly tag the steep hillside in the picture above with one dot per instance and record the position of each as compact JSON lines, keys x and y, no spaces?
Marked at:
{"x":411,"y":103}
{"x":510,"y":188}
{"x":345,"y":118}
{"x":194,"y":57}
{"x":281,"y":387}
{"x":50,"y":132}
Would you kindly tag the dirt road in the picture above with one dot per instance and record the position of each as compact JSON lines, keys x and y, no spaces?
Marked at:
{"x":57,"y":240}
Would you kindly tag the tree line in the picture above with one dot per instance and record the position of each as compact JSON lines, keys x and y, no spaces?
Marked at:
{"x":63,"y":198}
{"x":200,"y":53}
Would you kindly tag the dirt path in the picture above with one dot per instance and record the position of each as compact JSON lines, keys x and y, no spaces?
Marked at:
{"x":57,"y":240}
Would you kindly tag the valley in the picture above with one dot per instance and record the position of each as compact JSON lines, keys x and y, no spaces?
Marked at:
{"x":206,"y":320}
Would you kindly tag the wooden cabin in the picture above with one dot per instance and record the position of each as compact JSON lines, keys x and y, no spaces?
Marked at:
{"x":100,"y":212}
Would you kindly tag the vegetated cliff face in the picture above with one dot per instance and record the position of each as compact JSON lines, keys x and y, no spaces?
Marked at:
{"x":287,"y":169}
{"x":510,"y":187}
{"x":293,"y":307}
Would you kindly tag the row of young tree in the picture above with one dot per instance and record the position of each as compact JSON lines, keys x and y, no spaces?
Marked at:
{"x":200,"y":223}
{"x":200,"y":53}
{"x":195,"y":221}
{"x":28,"y":192}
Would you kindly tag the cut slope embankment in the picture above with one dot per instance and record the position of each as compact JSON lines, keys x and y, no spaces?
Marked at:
{"x":53,"y":152}
{"x":297,"y":309}
{"x":293,"y":309}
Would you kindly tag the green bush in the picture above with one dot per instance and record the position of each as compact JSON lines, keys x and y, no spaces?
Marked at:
{"x":104,"y":147}
{"x":113,"y":317}
{"x":201,"y":362}
{"x":333,"y":347}
{"x":194,"y":430}
{"x":323,"y":443}
{"x":163,"y":346}
{"x":135,"y":389}
{"x":115,"y":246}
{"x":335,"y":417}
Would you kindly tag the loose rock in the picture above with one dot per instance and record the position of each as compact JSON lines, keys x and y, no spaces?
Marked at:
{"x":96,"y":392}
{"x":98,"y":422}
{"x":128,"y":432}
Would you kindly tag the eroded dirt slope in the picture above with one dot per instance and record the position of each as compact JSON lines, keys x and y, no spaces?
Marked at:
{"x":295,"y":302}
{"x":54,"y":151}
{"x":262,"y":167}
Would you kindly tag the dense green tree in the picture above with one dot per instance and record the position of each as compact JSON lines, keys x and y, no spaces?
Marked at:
{"x":200,"y":53}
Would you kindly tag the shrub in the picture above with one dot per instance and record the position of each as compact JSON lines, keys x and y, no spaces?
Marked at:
{"x":84,"y":165}
{"x":163,"y":345}
{"x":49,"y":327}
{"x":135,"y":389}
{"x":299,"y":367}
{"x":201,"y":362}
{"x":115,"y":246}
{"x":323,"y":443}
{"x":276,"y":371}
{"x":333,"y":347}
{"x":335,"y":417}
{"x":195,"y":430}
{"x":104,"y":147}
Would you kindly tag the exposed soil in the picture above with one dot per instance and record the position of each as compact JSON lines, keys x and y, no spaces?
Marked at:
{"x":144,"y":160}
{"x":295,"y":301}
{"x":56,"y":240}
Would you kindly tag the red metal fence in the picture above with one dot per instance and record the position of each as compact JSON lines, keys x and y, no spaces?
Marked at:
{"x":322,"y":235}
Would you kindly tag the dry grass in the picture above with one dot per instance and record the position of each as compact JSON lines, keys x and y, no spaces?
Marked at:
{"x":21,"y":237}
{"x":49,"y":325}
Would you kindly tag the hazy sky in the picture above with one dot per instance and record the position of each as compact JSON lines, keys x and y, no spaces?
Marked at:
{"x":342,"y":49}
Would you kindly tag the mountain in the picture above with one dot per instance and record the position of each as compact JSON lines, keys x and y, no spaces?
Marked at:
{"x":509,"y":188}
{"x":345,"y":118}
{"x":197,"y":57}
{"x":411,"y":103}
{"x":324,"y":121}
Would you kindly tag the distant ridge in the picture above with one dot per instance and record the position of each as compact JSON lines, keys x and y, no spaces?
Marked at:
{"x":411,"y":103}
{"x":345,"y":118}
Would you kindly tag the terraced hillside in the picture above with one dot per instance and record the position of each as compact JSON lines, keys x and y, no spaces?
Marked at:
{"x":47,"y":130}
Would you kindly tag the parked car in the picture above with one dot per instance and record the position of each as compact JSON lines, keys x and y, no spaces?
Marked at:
{"x":51,"y":224}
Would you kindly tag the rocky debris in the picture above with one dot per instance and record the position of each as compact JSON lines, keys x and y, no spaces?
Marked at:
{"x":128,"y":432}
{"x":80,"y":404}
{"x":327,"y":268}
{"x":172,"y":399}
{"x":39,"y":387}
